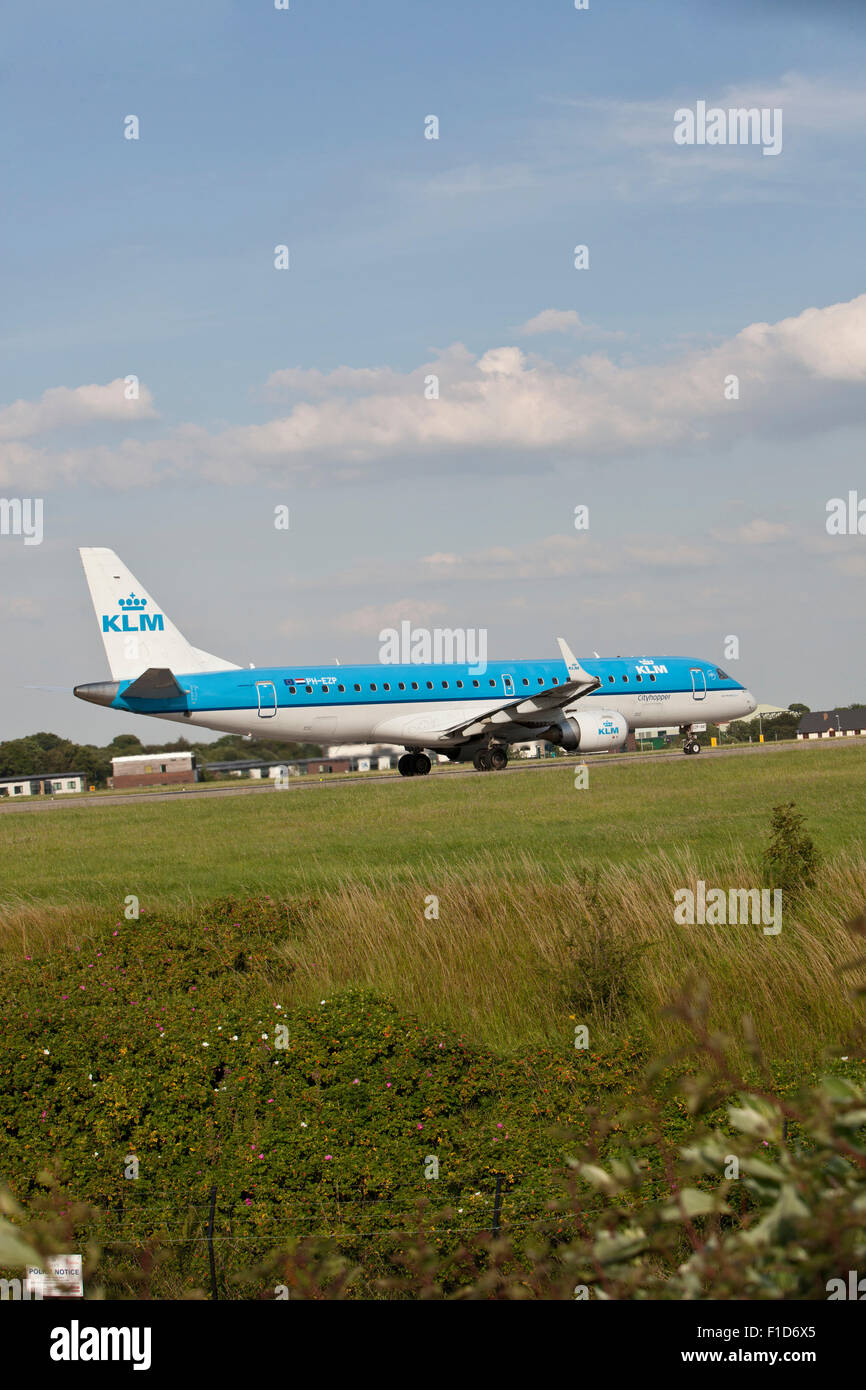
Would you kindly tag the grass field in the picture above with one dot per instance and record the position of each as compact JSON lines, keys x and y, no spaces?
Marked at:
{"x":430,"y":948}
{"x":538,"y":885}
{"x":278,"y":843}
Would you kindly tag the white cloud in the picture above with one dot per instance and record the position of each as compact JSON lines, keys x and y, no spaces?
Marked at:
{"x":63,"y":406}
{"x":564,"y":321}
{"x":553,"y":321}
{"x":761,"y":532}
{"x":373,"y":618}
{"x":500,"y":404}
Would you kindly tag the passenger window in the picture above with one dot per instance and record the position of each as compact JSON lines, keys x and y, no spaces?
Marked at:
{"x":386,"y":686}
{"x":625,"y":680}
{"x":414,"y":685}
{"x":401,"y":685}
{"x":341,"y":688}
{"x":475,"y":683}
{"x":357,"y":687}
{"x":373,"y":686}
{"x":611,"y":679}
{"x":525,"y":681}
{"x":429,"y":685}
{"x":652,"y":678}
{"x":444,"y":685}
{"x":459,"y":685}
{"x":309,"y":689}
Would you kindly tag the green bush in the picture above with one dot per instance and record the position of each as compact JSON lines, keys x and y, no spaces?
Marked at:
{"x":791,"y":858}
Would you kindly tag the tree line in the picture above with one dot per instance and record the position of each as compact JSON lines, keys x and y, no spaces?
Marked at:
{"x":43,"y":753}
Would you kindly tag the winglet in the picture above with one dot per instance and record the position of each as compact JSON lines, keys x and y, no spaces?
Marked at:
{"x":575,"y":671}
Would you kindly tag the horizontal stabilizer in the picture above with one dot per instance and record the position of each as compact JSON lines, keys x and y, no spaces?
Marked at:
{"x":157,"y":683}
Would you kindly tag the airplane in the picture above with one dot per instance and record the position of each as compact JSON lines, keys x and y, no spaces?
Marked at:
{"x":467,"y":712}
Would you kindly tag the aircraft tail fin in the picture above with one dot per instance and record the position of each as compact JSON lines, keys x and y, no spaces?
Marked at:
{"x":136,"y":633}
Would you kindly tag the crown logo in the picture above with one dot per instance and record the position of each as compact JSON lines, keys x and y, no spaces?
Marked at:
{"x":132,"y":603}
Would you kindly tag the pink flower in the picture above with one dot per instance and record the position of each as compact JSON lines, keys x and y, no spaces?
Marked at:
{"x":327,"y":1158}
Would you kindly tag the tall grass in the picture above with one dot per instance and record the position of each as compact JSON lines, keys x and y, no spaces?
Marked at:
{"x":510,"y":951}
{"x":521,"y":952}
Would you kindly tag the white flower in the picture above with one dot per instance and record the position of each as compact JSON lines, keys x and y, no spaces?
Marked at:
{"x":46,"y":1052}
{"x":303,"y":1124}
{"x":264,"y":1037}
{"x":234,"y":1037}
{"x":205,"y":1044}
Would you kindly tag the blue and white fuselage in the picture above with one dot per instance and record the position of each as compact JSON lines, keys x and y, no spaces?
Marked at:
{"x":468,"y":711}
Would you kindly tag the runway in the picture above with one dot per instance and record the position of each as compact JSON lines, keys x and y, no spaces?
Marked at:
{"x":308,"y":784}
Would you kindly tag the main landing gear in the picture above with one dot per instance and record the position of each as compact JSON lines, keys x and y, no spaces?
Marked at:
{"x":490,"y":759}
{"x":414,"y":765}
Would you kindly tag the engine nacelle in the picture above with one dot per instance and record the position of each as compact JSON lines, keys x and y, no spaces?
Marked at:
{"x":593,"y":732}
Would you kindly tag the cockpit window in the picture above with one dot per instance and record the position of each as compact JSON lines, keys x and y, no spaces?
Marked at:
{"x":722,"y":675}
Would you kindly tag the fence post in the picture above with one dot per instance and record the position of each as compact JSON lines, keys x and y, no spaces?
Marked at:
{"x":210,"y":1223}
{"x":497,"y":1204}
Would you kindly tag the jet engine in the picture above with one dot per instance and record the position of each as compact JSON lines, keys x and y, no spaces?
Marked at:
{"x":591,"y":732}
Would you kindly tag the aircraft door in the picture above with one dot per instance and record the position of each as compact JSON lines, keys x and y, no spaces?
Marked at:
{"x":699,"y":683}
{"x":508,"y":685}
{"x":267,"y":696}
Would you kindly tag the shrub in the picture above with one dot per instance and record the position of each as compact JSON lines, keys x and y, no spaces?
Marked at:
{"x":791,"y":859}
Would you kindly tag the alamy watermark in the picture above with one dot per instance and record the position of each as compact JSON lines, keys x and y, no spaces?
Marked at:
{"x":740,"y":125}
{"x":846,"y":516}
{"x":717,"y":907}
{"x":22,"y":516}
{"x":423,"y":646}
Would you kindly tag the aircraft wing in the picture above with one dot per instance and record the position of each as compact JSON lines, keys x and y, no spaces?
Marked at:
{"x":524,"y":708}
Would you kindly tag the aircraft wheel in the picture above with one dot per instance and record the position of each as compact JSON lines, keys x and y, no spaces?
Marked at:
{"x":482,"y":761}
{"x":406,"y":765}
{"x":696,"y":747}
{"x":498,"y":759}
{"x":421,"y":764}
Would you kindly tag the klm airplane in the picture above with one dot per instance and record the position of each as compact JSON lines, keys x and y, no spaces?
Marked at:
{"x":461,"y":710}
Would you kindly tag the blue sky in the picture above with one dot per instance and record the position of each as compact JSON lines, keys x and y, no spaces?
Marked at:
{"x":409,"y":256}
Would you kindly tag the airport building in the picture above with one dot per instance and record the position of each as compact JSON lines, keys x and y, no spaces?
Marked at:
{"x":150,"y":769}
{"x":832,"y":723}
{"x":293,"y":767}
{"x":43,"y":784}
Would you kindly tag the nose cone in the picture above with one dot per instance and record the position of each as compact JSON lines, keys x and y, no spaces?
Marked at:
{"x":98,"y":692}
{"x":751,"y":702}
